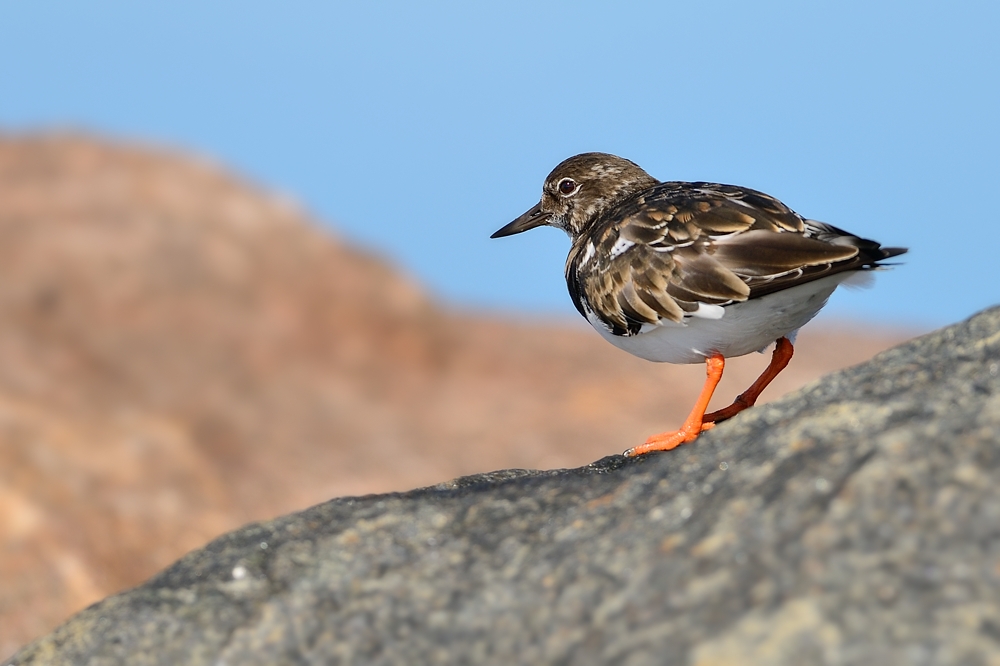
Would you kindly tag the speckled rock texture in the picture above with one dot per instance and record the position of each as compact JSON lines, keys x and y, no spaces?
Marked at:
{"x":854,"y":522}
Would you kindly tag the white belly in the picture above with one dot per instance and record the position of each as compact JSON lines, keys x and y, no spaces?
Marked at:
{"x":744,"y":327}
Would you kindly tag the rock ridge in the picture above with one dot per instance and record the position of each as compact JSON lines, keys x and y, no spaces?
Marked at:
{"x":856,"y":521}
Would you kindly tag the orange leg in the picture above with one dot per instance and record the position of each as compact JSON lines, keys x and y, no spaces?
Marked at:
{"x":783,"y":351}
{"x":694,"y":423}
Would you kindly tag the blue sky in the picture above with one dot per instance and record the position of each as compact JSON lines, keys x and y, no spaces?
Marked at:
{"x":417,"y":131}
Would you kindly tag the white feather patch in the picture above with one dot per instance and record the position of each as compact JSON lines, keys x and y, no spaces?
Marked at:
{"x":706,"y":311}
{"x":620,"y":246}
{"x":599,"y":324}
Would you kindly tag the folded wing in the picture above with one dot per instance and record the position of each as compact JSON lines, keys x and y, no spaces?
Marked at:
{"x":659,"y":256}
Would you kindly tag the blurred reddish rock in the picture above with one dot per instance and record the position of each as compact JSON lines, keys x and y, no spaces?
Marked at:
{"x":181,"y":353}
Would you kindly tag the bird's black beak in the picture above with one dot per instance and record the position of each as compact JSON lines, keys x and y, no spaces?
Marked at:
{"x":535,"y":217}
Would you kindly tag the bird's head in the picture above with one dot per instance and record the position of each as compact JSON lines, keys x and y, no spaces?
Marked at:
{"x":578,"y":190}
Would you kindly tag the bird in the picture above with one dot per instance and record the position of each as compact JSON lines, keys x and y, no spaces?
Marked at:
{"x":692,"y":272}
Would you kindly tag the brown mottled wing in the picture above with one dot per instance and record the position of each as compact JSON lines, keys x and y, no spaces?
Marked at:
{"x":658,"y":255}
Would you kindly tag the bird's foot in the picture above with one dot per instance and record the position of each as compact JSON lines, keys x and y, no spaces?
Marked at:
{"x":669,"y":440}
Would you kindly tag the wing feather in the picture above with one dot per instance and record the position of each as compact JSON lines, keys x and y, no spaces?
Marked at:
{"x":691,"y":243}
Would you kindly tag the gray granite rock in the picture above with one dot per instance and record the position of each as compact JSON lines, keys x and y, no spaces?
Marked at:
{"x":854,"y":522}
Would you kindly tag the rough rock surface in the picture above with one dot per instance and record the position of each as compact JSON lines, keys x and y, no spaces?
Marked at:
{"x":854,"y":522}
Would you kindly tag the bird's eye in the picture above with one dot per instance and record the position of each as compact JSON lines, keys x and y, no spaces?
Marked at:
{"x":567,"y":186}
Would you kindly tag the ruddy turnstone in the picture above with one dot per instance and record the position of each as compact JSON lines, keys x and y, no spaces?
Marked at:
{"x":691,"y":272}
